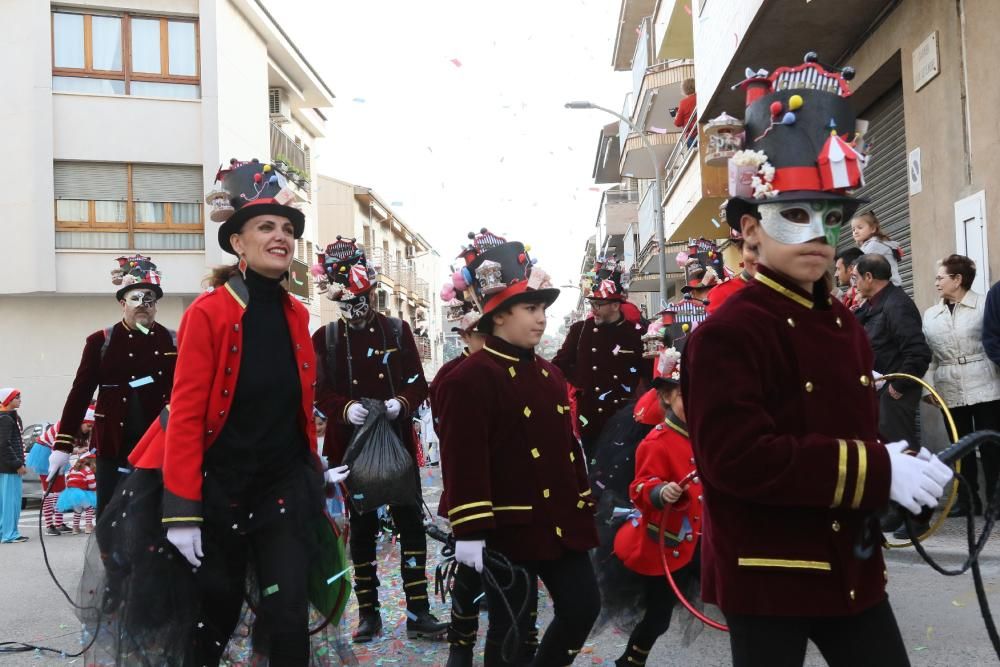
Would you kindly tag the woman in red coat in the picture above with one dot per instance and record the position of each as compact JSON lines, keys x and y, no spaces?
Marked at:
{"x":665,"y":493}
{"x":229,"y":471}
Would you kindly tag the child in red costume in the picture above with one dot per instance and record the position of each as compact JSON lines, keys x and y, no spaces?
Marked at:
{"x":665,"y":493}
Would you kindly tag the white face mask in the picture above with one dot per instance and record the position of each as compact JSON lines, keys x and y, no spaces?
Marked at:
{"x":792,"y":223}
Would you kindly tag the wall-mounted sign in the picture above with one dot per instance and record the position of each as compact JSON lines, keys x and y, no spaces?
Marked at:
{"x":298,"y":279}
{"x":914,"y":172}
{"x":926,"y":65}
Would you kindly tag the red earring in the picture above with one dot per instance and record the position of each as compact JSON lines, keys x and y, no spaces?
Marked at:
{"x":242,"y":266}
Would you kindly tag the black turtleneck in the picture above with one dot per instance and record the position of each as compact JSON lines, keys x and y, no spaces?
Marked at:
{"x":261,"y":440}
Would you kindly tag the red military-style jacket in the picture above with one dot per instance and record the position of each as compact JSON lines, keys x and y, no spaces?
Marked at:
{"x":782,"y":412}
{"x":663,"y":456}
{"x":210,"y":342}
{"x":439,"y":377}
{"x":380,"y":368}
{"x":721,"y":293}
{"x":604,"y":363}
{"x":108,"y":366}
{"x":514,"y":474}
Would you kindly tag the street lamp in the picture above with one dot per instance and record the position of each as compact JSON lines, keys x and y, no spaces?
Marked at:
{"x":658,"y":180}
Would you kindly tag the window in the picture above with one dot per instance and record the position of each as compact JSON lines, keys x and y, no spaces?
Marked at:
{"x":128,"y":206}
{"x":124,"y":54}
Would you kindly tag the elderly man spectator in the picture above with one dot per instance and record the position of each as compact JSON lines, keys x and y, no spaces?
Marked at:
{"x":894,"y":327}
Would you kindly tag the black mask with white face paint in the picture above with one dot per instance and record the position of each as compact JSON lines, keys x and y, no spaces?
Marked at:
{"x":356,"y":308}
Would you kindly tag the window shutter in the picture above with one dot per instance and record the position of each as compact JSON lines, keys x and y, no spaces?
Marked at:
{"x":100,"y":181}
{"x":167,"y":183}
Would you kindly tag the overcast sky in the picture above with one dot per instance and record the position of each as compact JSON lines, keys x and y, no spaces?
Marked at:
{"x":453,"y":111}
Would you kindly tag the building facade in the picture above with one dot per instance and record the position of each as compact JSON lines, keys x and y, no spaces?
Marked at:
{"x":407,"y":265}
{"x":123,"y":111}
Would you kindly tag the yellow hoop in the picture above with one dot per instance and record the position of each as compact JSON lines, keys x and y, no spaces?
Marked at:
{"x":958,"y":464}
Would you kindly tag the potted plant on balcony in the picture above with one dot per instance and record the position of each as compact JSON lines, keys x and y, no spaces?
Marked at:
{"x":282,"y":163}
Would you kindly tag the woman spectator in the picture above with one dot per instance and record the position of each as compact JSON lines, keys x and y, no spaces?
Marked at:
{"x":11,"y":466}
{"x":967,"y":380}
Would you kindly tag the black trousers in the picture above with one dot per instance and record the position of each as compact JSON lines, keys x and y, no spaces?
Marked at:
{"x":868,"y":639}
{"x":978,"y":417}
{"x":572,"y":586}
{"x":282,"y":625}
{"x":659,"y":600}
{"x":413,"y":542}
{"x":897,"y":418}
{"x":110,"y":471}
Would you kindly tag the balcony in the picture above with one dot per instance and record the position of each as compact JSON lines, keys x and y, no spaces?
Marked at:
{"x":630,"y":17}
{"x":423,"y":347}
{"x":803,"y":27}
{"x":692,"y":194}
{"x":635,"y":161}
{"x":285,"y":148}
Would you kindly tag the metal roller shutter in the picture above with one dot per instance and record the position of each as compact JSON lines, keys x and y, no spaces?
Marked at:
{"x":102,"y":181}
{"x":886,"y":185}
{"x":166,"y":183}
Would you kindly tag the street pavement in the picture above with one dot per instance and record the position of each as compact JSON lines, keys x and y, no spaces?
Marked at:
{"x":939,"y":616}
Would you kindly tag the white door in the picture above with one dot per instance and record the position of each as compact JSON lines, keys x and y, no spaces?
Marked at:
{"x":970,"y":237}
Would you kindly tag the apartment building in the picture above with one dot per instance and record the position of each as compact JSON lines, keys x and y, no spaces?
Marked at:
{"x":407,"y":265}
{"x":923,"y":82}
{"x":119,"y":113}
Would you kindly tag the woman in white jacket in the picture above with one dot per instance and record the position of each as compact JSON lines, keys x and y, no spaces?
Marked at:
{"x":961,"y":372}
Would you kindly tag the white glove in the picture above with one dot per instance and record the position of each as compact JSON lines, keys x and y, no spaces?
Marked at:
{"x":879,"y":382}
{"x":915,"y":482}
{"x":336,"y":475}
{"x":188,"y":542}
{"x":470,"y":552}
{"x":392,"y":408}
{"x":356,"y":414}
{"x":57,"y":461}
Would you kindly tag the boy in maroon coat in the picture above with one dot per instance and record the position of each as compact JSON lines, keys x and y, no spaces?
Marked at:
{"x":515,"y":480}
{"x":790,"y":483}
{"x":368,"y":355}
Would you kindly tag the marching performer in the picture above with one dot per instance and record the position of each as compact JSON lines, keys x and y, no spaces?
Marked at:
{"x":602,"y":355}
{"x":229,"y":471}
{"x":515,"y":479}
{"x":789,"y":483}
{"x":666,"y":494}
{"x":131,"y":366}
{"x":365,"y":354}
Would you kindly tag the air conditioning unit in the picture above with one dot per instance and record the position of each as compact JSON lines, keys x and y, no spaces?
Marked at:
{"x":277,"y":102}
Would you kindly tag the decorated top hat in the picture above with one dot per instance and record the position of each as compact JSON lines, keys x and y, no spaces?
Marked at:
{"x":136,"y":272}
{"x":702,"y":264}
{"x":801,"y":141}
{"x":668,"y":368}
{"x":250,"y":189}
{"x":343,"y":271}
{"x":607,"y":282}
{"x":500,"y":273}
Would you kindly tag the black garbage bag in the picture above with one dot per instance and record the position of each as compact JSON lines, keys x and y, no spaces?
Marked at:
{"x":382,"y":471}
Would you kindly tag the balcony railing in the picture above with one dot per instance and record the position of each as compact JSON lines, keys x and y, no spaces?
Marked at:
{"x":647,"y":217}
{"x":423,"y":347}
{"x":621,"y":196}
{"x":683,"y":151}
{"x":642,"y":57}
{"x":285,"y":147}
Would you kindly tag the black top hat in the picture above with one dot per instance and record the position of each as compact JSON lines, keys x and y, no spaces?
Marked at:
{"x":800,"y":135}
{"x":250,"y":189}
{"x":136,"y":272}
{"x":500,"y":273}
{"x":344,"y":263}
{"x":607,"y":282}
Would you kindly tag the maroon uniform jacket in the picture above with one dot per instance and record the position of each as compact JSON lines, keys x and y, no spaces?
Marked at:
{"x":108,"y":366}
{"x":439,"y":377}
{"x":604,"y":364}
{"x":210,"y":340}
{"x":379,"y":369}
{"x":663,"y":456}
{"x":514,"y":474}
{"x":789,"y":477}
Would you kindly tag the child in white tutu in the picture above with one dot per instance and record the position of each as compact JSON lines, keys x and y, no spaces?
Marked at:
{"x":80,"y":496}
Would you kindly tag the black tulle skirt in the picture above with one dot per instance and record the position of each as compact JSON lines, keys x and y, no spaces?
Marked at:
{"x":142,"y":599}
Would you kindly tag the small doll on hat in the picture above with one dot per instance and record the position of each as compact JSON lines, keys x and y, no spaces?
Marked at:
{"x":80,"y":496}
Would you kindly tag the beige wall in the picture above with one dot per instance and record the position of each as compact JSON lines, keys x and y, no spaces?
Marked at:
{"x":44,"y":336}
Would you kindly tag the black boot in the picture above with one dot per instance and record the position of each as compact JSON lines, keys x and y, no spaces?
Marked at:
{"x":369,"y":626}
{"x":633,"y":655}
{"x":366,"y":589}
{"x":460,"y":656}
{"x":422,"y":624}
